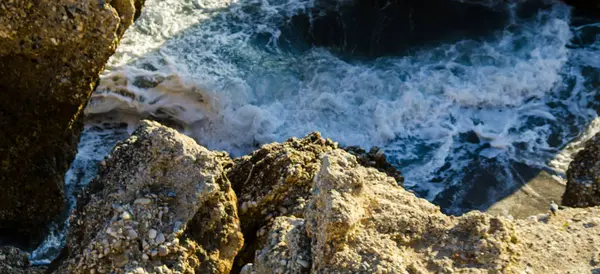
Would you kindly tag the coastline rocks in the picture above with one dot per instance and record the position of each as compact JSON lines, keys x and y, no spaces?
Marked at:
{"x":583,"y":175}
{"x":376,"y":158}
{"x":287,"y":249}
{"x":161,"y":204}
{"x":360,"y":221}
{"x":276,"y":180}
{"x":51,"y":53}
{"x":15,"y":261}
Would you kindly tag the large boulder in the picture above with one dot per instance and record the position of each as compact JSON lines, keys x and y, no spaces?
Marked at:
{"x":583,"y":176}
{"x":276,"y":180}
{"x":160,"y":204}
{"x":51,"y":53}
{"x":360,"y":221}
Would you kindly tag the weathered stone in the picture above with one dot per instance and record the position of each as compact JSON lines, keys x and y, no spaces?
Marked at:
{"x":287,"y":241}
{"x":51,"y":53}
{"x":583,"y":175}
{"x":276,"y":176}
{"x":375,"y":158}
{"x":15,"y":261}
{"x":201,"y":225}
{"x":360,"y":221}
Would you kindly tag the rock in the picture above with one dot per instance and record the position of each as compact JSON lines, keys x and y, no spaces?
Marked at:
{"x":155,"y":162}
{"x":375,"y":158}
{"x":15,"y":261}
{"x":583,"y":176}
{"x":360,"y":221}
{"x":286,"y":242}
{"x":51,"y":53}
{"x":531,"y":198}
{"x":160,"y":238}
{"x":277,"y":176}
{"x":162,"y":250}
{"x":152,"y":234}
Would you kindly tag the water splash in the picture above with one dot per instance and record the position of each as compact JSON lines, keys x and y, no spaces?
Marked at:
{"x":461,"y":119}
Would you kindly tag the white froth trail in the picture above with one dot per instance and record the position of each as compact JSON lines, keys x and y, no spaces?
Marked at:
{"x":215,"y":71}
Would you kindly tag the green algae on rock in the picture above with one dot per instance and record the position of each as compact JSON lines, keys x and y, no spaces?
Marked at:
{"x":51,"y":53}
{"x":160,"y":204}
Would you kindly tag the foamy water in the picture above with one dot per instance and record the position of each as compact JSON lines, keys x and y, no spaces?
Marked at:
{"x":460,"y":119}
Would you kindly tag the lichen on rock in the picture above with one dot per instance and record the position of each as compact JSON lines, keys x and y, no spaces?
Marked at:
{"x":160,"y":204}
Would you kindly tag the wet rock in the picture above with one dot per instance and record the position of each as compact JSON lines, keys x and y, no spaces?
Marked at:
{"x":370,"y":28}
{"x":583,"y":175}
{"x":15,"y":261}
{"x":360,"y":221}
{"x":277,"y":176}
{"x":201,"y":226}
{"x":51,"y":53}
{"x":592,"y":7}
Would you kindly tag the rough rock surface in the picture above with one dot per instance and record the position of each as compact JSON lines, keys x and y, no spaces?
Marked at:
{"x":360,"y":221}
{"x":287,"y":249}
{"x":376,"y":158}
{"x":15,"y":261}
{"x":275,"y":180}
{"x":161,"y":204}
{"x":51,"y":53}
{"x":583,"y":176}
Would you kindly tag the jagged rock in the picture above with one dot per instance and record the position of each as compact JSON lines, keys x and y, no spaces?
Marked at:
{"x":376,"y":158}
{"x":51,"y":53}
{"x":15,"y":261}
{"x":178,"y":201}
{"x":287,"y":249}
{"x":583,"y":177}
{"x":275,"y":180}
{"x":361,"y":221}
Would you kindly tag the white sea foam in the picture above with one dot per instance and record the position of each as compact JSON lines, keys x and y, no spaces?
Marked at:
{"x":219,"y":73}
{"x":230,"y":92}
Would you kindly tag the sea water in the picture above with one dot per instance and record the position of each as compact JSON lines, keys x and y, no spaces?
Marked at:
{"x":467,"y":116}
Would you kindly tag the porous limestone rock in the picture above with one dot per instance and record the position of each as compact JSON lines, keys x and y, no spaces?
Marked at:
{"x":160,"y":204}
{"x":376,"y":158}
{"x":583,"y":176}
{"x":360,"y":221}
{"x":15,"y":261}
{"x":287,"y":249}
{"x":275,"y":180}
{"x":51,"y":53}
